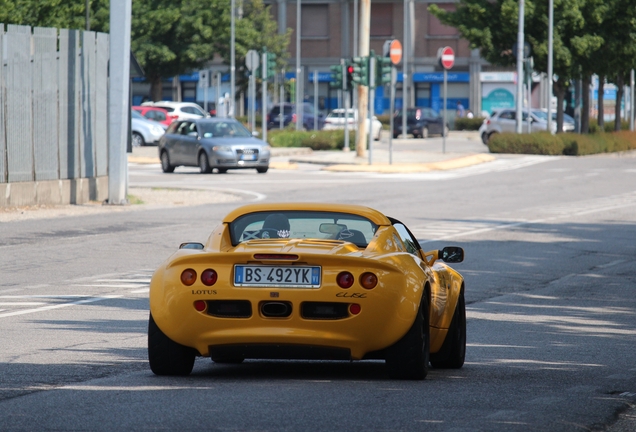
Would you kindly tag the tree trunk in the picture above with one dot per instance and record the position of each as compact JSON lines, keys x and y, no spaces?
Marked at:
{"x":559,"y":92}
{"x":585,"y":113}
{"x":601,"y":102}
{"x":619,"y":98}
{"x":156,"y":88}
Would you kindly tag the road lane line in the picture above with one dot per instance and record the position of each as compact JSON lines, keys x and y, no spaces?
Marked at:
{"x":57,"y":306}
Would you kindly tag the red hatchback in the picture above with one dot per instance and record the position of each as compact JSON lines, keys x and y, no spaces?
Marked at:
{"x":156,"y":114}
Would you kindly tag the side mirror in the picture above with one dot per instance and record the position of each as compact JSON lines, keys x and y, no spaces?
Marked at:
{"x":451,"y":254}
{"x":191,"y":245}
{"x":256,"y":133}
{"x":193,"y":134}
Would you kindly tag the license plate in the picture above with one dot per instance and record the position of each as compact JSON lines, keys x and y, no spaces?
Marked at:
{"x":249,"y":157}
{"x":277,"y":276}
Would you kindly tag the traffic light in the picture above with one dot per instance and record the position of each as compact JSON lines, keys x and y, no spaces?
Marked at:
{"x":336,"y":74}
{"x":361,"y":70}
{"x":349,"y":68}
{"x":383,"y":70}
{"x":271,"y":65}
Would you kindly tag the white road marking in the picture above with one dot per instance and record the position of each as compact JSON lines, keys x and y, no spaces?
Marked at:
{"x":58,"y":306}
{"x":141,"y":291}
{"x":21,"y":303}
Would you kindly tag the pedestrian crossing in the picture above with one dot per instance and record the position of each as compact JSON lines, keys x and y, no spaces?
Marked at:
{"x":449,"y":229}
{"x":133,"y":285}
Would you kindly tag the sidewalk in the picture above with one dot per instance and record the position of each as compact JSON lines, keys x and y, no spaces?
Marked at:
{"x":410,"y":155}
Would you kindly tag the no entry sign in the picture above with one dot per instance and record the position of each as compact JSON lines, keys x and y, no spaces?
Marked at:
{"x":395,"y":51}
{"x":446,"y":57}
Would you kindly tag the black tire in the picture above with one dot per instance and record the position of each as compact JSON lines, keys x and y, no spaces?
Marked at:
{"x":138,"y":140}
{"x":204,"y":163}
{"x":408,"y":358}
{"x":453,"y":351}
{"x":484,"y":138}
{"x":165,"y":163}
{"x":490,"y":135}
{"x":166,"y":357}
{"x":395,"y":136}
{"x":222,"y":170}
{"x":262,"y":170}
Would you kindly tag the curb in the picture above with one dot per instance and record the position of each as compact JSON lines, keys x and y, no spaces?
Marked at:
{"x":450,"y":164}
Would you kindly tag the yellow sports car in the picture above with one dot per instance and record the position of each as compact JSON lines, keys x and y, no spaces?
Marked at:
{"x":308,"y":281}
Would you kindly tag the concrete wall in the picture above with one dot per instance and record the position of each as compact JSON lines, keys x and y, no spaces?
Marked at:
{"x":54,"y":192}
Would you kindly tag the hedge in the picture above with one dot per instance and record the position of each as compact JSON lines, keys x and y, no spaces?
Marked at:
{"x":468,"y":124}
{"x":316,"y":140}
{"x":562,"y":144}
{"x":609,"y":126}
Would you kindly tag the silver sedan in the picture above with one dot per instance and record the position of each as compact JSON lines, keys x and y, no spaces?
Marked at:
{"x":212,"y":143}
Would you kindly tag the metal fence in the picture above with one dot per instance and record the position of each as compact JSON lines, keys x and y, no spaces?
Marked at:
{"x":53,"y":104}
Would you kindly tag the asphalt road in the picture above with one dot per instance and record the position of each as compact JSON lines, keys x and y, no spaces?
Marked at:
{"x":550,"y":280}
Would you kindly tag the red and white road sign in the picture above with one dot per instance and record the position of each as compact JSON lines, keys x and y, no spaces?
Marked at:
{"x":395,"y":51}
{"x":446,"y":57}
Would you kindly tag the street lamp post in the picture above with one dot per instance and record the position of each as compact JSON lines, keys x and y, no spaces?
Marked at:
{"x":520,"y":67}
{"x":550,"y":56}
{"x":299,"y":111}
{"x":232,"y":62}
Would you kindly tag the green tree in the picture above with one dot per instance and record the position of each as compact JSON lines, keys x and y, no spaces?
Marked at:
{"x":492,"y":27}
{"x":43,"y":13}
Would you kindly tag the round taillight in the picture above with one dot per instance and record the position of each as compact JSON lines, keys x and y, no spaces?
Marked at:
{"x":354,"y":309}
{"x":344,"y":279}
{"x":200,"y":305}
{"x":208,"y":277}
{"x":188,"y":277}
{"x":368,"y":280}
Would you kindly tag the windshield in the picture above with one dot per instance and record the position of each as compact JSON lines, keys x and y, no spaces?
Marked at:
{"x":340,"y":114}
{"x":223,"y":129}
{"x":303,"y":225}
{"x":135,"y":114}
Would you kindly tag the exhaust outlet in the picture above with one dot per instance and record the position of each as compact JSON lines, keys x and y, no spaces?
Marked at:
{"x":276,"y":309}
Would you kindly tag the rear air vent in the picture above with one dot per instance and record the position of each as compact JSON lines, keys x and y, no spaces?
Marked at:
{"x":230,"y":308}
{"x":324,"y":310}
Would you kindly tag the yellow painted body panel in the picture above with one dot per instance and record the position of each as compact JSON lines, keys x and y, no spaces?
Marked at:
{"x":387,"y":311}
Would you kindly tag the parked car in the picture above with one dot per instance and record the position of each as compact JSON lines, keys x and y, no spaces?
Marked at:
{"x":182,"y":110}
{"x":210,"y":143}
{"x":420,"y":122}
{"x":211,"y":107}
{"x":289,"y":116}
{"x":157,"y":114}
{"x":309,"y":281}
{"x":505,"y":120}
{"x":145,"y":131}
{"x":336,"y":120}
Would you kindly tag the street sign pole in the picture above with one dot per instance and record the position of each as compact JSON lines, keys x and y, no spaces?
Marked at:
{"x":372,"y":73}
{"x":391,"y":109}
{"x":264,"y":103}
{"x":345,"y":103}
{"x":315,"y":100}
{"x":444,"y":108}
{"x":281,"y":110}
{"x":520,"y":56}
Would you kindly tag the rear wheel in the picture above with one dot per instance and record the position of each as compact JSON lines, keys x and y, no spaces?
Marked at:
{"x":165,"y":163}
{"x":408,"y":358}
{"x":453,"y":352}
{"x":204,"y":163}
{"x":222,"y":170}
{"x":166,"y":357}
{"x":262,"y":170}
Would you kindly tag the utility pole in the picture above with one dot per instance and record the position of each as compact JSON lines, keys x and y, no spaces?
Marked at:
{"x":405,"y":70}
{"x":299,"y":100}
{"x":550,"y":61}
{"x":363,"y":91}
{"x":520,"y":67}
{"x":232,"y":62}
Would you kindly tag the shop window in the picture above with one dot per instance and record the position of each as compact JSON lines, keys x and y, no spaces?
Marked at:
{"x":381,"y":19}
{"x":315,"y":21}
{"x":436,"y":28}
